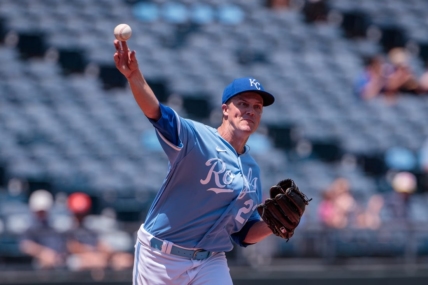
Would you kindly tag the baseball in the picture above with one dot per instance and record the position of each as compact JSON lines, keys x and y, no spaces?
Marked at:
{"x":122,"y":32}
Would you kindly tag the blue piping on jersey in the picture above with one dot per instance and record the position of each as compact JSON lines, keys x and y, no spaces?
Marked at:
{"x":178,"y":122}
{"x":177,"y":148}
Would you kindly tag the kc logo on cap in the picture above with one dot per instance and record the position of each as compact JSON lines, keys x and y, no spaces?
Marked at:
{"x":247,"y":84}
{"x":255,"y":83}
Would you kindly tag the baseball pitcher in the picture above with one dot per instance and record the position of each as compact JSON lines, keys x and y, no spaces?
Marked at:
{"x":211,"y":197}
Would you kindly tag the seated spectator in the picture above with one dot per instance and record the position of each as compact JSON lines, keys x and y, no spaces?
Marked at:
{"x":370,"y":218}
{"x":41,"y":241}
{"x":86,"y":250}
{"x":386,"y":78}
{"x":398,"y":202}
{"x":372,"y":81}
{"x":326,"y":208}
{"x":400,"y":77}
{"x":338,"y":204}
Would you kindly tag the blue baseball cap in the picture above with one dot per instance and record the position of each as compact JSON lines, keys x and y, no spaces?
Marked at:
{"x":246,"y":84}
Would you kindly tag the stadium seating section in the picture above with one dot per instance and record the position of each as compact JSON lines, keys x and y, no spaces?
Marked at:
{"x":68,"y":121}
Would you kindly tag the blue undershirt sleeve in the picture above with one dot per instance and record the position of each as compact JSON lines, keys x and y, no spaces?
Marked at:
{"x":167,"y":125}
{"x":360,"y":84}
{"x":239,"y":237}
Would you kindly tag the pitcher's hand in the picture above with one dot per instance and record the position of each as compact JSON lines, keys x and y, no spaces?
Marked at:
{"x":125,"y":59}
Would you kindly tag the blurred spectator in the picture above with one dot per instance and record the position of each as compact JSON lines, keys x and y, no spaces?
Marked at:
{"x":41,"y":241}
{"x":372,"y":81}
{"x":370,"y":218}
{"x":398,"y":203}
{"x":400,"y":76}
{"x":86,"y":250}
{"x":387,"y":78}
{"x":337,"y":205}
{"x":278,"y":4}
{"x":326,"y":208}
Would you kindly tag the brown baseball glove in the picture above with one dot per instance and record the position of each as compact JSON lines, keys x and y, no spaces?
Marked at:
{"x":284,"y":209}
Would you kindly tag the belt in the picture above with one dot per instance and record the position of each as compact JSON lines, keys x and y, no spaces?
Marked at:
{"x":197,"y":254}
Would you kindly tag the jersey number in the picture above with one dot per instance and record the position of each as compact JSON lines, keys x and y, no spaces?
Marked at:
{"x":244,"y":210}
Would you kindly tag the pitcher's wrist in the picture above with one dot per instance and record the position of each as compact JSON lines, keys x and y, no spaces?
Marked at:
{"x":135,"y":74}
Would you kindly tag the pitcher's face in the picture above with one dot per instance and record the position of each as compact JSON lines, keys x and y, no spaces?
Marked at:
{"x":244,"y":111}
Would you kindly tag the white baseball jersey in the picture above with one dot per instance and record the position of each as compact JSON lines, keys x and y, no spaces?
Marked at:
{"x":209,"y":193}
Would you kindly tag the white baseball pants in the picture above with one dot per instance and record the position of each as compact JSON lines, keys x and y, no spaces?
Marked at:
{"x":153,"y":267}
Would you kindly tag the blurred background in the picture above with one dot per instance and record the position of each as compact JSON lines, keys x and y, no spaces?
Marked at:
{"x":80,"y":163}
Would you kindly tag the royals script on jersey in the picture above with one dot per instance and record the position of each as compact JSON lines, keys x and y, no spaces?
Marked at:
{"x":209,"y":192}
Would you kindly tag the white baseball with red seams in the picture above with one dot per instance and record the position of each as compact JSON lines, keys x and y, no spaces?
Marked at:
{"x":122,"y":32}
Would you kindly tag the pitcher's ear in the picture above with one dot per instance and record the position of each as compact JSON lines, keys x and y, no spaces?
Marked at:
{"x":224,"y":109}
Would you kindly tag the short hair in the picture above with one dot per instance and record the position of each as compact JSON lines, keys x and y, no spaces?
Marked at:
{"x":370,"y":60}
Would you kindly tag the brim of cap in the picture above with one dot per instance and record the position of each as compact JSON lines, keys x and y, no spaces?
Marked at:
{"x":268,"y":98}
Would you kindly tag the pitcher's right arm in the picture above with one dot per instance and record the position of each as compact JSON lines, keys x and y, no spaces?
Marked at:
{"x":127,"y":64}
